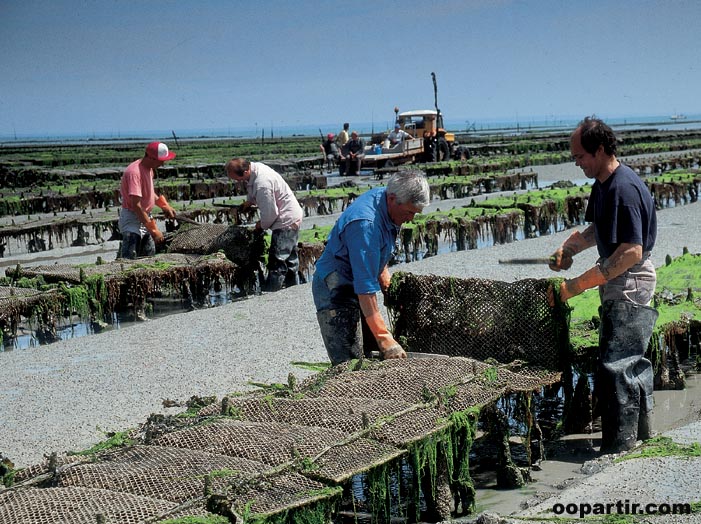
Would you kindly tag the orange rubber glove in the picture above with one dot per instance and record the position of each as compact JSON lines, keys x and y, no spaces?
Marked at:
{"x":389,"y":348}
{"x":591,"y":278}
{"x":155,"y":233}
{"x":562,"y":257}
{"x":165,"y":206}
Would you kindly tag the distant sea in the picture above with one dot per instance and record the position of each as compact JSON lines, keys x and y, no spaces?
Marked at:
{"x":483,"y":126}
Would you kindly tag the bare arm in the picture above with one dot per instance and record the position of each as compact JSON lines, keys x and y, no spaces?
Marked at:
{"x":575,"y":243}
{"x":589,"y":237}
{"x":143,"y":217}
{"x":140,"y":213}
{"x":368,"y":304}
{"x":624,"y":258}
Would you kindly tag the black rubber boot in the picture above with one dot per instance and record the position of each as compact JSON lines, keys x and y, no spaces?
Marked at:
{"x":646,"y":377}
{"x":342,"y":334}
{"x":625,"y":376}
{"x":274,"y":282}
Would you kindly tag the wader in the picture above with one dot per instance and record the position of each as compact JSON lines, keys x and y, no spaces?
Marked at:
{"x":625,"y":376}
{"x":283,"y":260}
{"x":346,"y":334}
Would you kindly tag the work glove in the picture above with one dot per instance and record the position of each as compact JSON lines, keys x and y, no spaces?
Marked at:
{"x":384,"y":280}
{"x":572,"y":287}
{"x":562,"y":257}
{"x":389,"y":348}
{"x":155,"y":233}
{"x":165,"y":206}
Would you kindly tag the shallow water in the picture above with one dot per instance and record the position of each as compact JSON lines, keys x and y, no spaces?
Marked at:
{"x":27,"y":338}
{"x":565,"y":458}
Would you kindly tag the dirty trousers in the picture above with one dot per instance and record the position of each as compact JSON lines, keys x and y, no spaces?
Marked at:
{"x":135,"y":245}
{"x":283,"y":260}
{"x":344,"y":330}
{"x":625,"y":376}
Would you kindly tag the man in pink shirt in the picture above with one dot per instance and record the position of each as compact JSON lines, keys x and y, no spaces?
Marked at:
{"x":140,"y":233}
{"x":279,"y":211}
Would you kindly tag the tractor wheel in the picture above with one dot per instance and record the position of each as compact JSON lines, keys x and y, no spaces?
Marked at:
{"x":441,"y":153}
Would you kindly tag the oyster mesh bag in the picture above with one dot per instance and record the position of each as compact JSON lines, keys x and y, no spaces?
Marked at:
{"x":478,"y":318}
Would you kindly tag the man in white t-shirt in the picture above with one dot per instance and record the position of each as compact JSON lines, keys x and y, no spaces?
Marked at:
{"x":398,"y":135}
{"x":279,"y":211}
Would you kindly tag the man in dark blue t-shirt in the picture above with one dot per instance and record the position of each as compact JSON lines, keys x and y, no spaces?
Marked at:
{"x":623,"y":228}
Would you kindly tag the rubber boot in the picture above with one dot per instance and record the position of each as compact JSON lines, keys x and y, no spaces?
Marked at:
{"x":274,"y":282}
{"x":646,"y":377}
{"x":625,"y":376}
{"x":342,"y":334}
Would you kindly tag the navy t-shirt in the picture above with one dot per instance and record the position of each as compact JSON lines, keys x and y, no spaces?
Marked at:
{"x":623,"y":211}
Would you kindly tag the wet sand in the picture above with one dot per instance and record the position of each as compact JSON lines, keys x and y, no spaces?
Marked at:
{"x":563,"y":464}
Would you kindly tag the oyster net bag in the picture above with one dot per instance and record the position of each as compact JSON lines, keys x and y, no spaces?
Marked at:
{"x":337,"y":455}
{"x":173,"y":474}
{"x":478,"y":318}
{"x":458,"y":383}
{"x":346,"y":414}
{"x":77,"y":505}
{"x":238,"y":243}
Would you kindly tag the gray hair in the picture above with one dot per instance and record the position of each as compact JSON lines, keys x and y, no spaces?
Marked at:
{"x":410,"y":187}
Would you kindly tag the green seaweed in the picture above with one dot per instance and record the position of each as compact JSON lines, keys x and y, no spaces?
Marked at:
{"x":114,"y":440}
{"x":214,"y":519}
{"x":312,"y":366}
{"x":663,"y":447}
{"x":317,"y":513}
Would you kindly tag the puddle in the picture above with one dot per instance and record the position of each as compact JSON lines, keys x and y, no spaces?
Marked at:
{"x":27,"y":337}
{"x":566,"y":455}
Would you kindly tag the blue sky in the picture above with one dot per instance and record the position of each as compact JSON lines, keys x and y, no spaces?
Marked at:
{"x":103,"y":66}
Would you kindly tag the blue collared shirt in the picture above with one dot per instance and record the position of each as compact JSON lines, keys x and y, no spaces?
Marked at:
{"x":361,"y":243}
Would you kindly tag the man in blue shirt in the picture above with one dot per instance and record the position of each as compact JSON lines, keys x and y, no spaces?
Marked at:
{"x":353,"y":268}
{"x":623,"y":228}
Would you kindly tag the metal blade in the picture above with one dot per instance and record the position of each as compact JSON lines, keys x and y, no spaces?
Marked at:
{"x":540,"y":260}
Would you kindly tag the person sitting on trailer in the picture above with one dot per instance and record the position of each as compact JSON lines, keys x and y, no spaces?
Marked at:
{"x":330,"y":151}
{"x":398,"y":135}
{"x":353,"y":153}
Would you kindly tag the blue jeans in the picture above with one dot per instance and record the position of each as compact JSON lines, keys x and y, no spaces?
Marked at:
{"x":134,"y":245}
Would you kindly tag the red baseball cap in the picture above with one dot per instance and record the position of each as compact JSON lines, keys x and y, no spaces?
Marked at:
{"x":159,"y":151}
{"x":329,"y":136}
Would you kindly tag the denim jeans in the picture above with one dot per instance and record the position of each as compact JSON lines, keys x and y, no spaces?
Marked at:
{"x":135,"y":245}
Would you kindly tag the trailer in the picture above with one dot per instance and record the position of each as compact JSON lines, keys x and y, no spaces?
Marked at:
{"x":407,"y":151}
